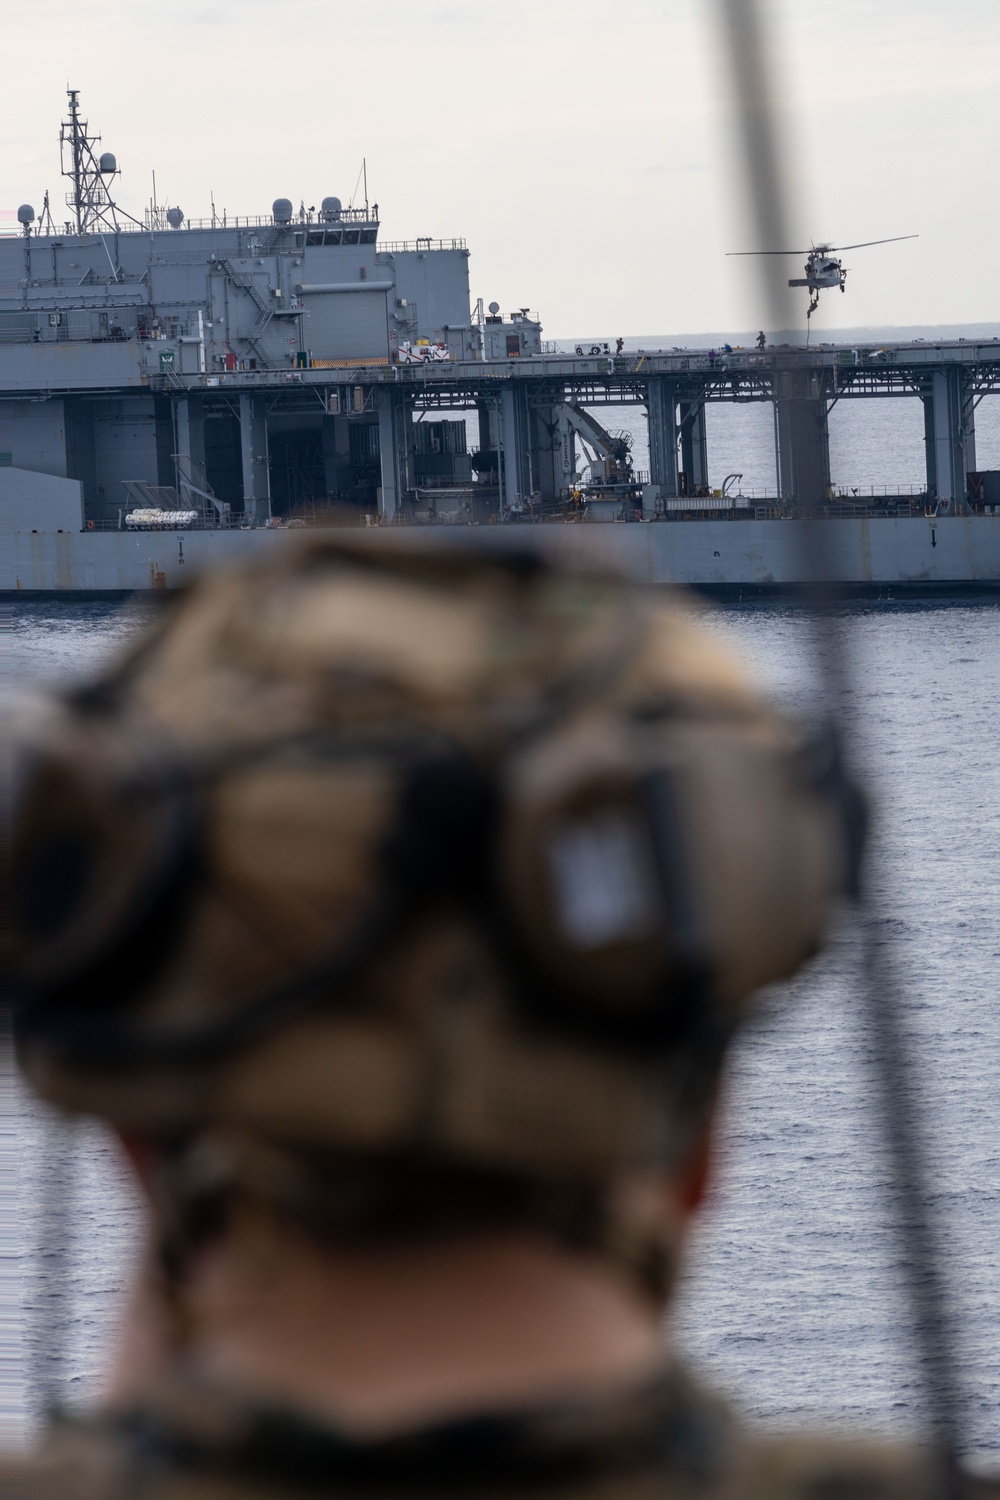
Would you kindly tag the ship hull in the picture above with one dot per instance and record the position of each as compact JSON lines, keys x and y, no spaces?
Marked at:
{"x":913,"y":555}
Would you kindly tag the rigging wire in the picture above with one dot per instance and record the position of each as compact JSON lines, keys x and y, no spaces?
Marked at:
{"x":751,"y":63}
{"x":362,"y":170}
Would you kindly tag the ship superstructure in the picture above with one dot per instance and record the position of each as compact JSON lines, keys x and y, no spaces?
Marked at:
{"x":101,"y":321}
{"x":212,"y":377}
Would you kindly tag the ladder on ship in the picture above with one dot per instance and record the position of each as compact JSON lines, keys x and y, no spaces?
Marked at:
{"x":265,"y":309}
{"x":199,"y":495}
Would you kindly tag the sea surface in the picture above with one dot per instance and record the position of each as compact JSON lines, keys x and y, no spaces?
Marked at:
{"x":794,"y":1296}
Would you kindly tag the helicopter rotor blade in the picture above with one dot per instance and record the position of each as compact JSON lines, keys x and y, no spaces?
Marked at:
{"x":829,"y":249}
{"x":863,"y":244}
{"x":770,"y":252}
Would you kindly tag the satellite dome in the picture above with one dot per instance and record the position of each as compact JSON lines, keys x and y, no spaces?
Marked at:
{"x":175,"y":217}
{"x":108,"y":164}
{"x":494,"y":308}
{"x":330,"y":209}
{"x":26,"y":214}
{"x":282,"y":210}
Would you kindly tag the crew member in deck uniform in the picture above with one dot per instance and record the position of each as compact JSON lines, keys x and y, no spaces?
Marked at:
{"x":396,"y":905}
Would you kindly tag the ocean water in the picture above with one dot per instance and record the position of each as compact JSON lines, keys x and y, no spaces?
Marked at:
{"x":794,"y":1295}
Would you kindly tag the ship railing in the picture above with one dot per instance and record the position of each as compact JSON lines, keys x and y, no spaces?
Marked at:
{"x":880,"y":491}
{"x":776,"y":510}
{"x":892,"y":508}
{"x":103,"y":523}
{"x":633,"y":360}
{"x":267,"y":221}
{"x":699,"y":508}
{"x":90,"y":324}
{"x":360,"y":374}
{"x":405,"y":247}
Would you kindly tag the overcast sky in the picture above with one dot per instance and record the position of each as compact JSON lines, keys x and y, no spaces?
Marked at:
{"x":583,"y":149}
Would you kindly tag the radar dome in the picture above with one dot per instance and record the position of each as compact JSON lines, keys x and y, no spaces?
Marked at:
{"x":494,"y":308}
{"x":330,"y":209}
{"x":175,"y":217}
{"x":26,"y":214}
{"x":108,"y":164}
{"x":282,"y":210}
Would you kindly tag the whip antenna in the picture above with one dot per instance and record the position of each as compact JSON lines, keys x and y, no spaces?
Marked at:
{"x":750,"y":63}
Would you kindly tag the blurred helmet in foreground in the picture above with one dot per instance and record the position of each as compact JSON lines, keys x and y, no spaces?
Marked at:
{"x":401,"y":852}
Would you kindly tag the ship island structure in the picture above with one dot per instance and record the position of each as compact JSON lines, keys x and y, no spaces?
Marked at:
{"x":179,"y":391}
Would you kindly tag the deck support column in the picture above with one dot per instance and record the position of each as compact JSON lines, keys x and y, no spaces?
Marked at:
{"x":801,"y":402}
{"x":337,"y":454}
{"x":163,"y":431}
{"x":546,"y":453}
{"x":661,"y":406}
{"x":393,"y":447}
{"x":81,"y":453}
{"x":254,"y":458}
{"x":949,"y":436}
{"x":189,"y":437}
{"x":694,"y":446}
{"x":516,"y":476}
{"x":487,"y":426}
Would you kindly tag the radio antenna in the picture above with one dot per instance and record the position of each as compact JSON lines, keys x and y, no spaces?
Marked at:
{"x":89,"y":198}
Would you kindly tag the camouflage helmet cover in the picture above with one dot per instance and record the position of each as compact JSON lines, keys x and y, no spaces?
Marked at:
{"x":381,"y":845}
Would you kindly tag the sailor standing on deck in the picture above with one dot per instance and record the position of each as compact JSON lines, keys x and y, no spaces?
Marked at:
{"x":396,"y":907}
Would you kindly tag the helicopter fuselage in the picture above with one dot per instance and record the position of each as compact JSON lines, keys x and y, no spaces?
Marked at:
{"x":821,"y":272}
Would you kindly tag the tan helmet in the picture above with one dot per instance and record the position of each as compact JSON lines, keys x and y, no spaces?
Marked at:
{"x":384,"y":846}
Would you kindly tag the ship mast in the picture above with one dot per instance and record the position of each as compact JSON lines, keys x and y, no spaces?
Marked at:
{"x":93,"y":207}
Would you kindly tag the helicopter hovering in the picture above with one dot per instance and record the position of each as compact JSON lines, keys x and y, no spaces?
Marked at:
{"x":823,"y":269}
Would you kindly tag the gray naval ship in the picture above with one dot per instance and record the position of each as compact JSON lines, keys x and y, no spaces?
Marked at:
{"x":178,"y":391}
